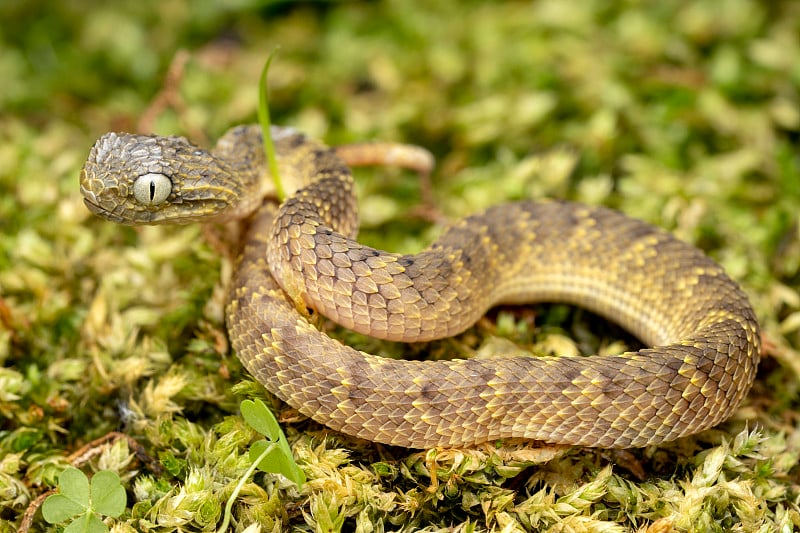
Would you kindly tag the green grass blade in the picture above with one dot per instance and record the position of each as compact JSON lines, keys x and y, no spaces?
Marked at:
{"x":264,"y":120}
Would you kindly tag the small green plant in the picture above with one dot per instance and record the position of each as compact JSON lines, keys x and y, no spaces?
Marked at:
{"x":271,"y":455}
{"x":83,"y":503}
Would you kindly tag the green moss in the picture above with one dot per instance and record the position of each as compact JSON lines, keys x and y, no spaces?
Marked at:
{"x":685,"y":114}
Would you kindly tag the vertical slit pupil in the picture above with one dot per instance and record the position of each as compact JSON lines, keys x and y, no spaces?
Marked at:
{"x":152,"y":189}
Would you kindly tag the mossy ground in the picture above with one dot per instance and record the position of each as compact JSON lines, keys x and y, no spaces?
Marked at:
{"x":685,"y":114}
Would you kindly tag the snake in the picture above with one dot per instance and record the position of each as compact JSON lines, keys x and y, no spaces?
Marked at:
{"x":299,"y":259}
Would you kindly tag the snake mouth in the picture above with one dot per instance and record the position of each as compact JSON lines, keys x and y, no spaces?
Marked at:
{"x":137,"y":218}
{"x":101,"y":211}
{"x":93,"y":204}
{"x":93,"y":207}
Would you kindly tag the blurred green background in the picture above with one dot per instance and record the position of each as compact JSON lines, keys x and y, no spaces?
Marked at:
{"x":685,"y":114}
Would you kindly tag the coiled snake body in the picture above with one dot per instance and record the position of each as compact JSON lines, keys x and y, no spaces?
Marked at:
{"x":703,"y":332}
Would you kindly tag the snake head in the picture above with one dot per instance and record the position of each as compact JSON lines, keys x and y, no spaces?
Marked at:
{"x":145,"y":179}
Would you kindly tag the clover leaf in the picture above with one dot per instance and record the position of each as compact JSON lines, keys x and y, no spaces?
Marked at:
{"x":84,"y":502}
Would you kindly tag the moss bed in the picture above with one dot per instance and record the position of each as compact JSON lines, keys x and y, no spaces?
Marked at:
{"x":685,"y":114}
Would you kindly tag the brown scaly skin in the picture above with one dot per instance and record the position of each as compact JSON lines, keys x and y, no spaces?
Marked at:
{"x":703,"y":331}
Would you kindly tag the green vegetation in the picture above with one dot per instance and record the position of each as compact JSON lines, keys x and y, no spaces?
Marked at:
{"x":264,"y":120}
{"x":685,"y":114}
{"x":81,"y":502}
{"x":272,"y":454}
{"x":275,"y":448}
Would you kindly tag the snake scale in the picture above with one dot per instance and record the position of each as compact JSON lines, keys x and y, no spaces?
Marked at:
{"x":702,"y":332}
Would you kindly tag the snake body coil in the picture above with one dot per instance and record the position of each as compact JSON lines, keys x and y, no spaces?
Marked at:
{"x":703,"y":332}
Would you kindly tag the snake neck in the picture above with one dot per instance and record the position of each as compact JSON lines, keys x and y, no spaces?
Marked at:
{"x":308,"y":170}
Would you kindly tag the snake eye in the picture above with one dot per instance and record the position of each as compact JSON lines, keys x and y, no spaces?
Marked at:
{"x":151,"y":189}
